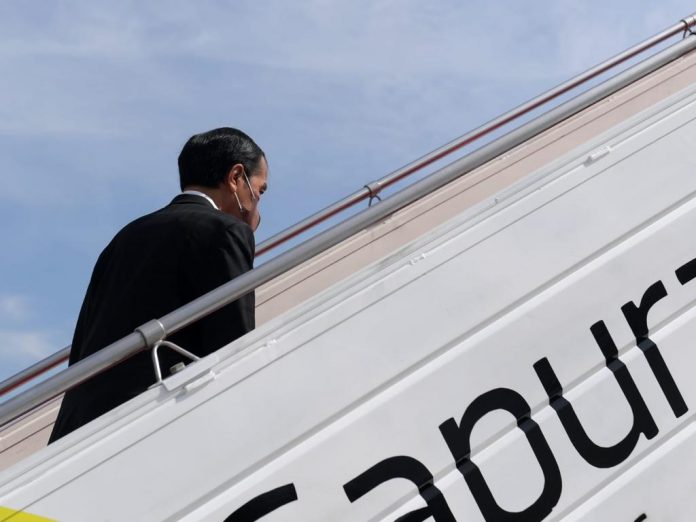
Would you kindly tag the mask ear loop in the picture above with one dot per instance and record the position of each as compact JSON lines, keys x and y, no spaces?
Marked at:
{"x":253,"y":196}
{"x":241,"y":208}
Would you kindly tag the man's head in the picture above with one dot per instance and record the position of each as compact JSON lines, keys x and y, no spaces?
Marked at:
{"x":226,"y":164}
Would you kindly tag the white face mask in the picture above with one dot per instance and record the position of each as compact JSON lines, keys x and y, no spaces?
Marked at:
{"x":250,"y":217}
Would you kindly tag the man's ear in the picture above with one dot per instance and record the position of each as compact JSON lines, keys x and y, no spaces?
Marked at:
{"x":233,"y":176}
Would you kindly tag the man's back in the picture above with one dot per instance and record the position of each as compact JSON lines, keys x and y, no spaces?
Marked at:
{"x":154,"y":265}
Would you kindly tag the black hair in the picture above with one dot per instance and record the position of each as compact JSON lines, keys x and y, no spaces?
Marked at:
{"x":208,"y":157}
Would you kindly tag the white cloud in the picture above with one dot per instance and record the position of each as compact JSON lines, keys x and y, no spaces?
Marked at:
{"x":386,"y":78}
{"x":25,"y":346}
{"x":71,"y":68}
{"x":14,"y":308}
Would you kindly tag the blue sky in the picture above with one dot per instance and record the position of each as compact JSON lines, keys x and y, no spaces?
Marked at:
{"x":99,"y":97}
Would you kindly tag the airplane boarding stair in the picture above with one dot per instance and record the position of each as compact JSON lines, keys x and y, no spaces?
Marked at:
{"x":509,"y":338}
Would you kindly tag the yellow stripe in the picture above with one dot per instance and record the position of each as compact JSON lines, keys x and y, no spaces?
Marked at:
{"x":12,"y":515}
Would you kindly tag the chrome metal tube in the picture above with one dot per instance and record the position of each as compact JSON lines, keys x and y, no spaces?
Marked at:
{"x":468,"y":138}
{"x":34,"y":371}
{"x":313,"y":220}
{"x":247,"y":282}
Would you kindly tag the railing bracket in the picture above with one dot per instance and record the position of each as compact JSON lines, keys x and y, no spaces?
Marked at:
{"x":374,"y":189}
{"x":152,"y":332}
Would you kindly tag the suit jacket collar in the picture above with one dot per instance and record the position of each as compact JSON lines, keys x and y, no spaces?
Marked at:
{"x":191,"y":198}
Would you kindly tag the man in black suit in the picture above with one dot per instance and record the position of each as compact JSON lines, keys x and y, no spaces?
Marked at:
{"x":159,"y":262}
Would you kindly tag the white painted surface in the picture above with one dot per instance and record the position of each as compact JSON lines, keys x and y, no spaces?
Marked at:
{"x":371,"y":368}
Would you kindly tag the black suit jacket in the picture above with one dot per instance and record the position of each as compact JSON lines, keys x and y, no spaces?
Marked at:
{"x":154,"y":265}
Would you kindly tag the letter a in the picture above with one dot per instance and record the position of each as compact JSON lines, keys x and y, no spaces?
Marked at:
{"x":410,"y":469}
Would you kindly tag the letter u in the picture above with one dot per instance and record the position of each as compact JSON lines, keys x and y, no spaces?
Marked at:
{"x":643,"y":422}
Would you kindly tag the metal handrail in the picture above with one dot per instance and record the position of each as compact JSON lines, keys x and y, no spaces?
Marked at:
{"x":373,"y":188}
{"x":128,"y":346}
{"x":34,"y":370}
